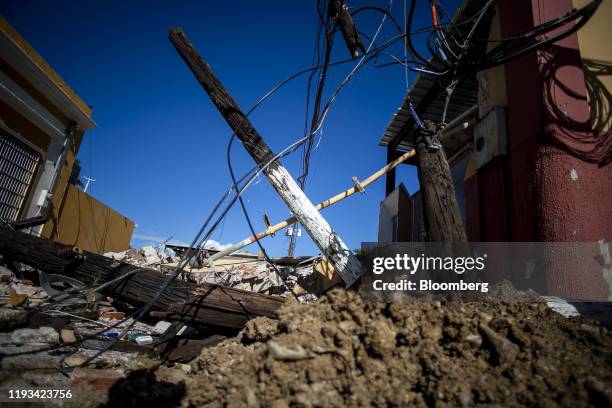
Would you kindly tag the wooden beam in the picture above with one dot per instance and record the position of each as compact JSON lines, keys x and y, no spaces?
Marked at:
{"x":204,"y":304}
{"x":326,"y":239}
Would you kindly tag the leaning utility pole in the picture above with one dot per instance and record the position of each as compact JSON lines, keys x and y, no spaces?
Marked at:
{"x":330,"y":244}
{"x":338,"y":10}
{"x":442,"y":215}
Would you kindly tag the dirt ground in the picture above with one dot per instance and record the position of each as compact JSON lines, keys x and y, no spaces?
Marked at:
{"x":344,"y":351}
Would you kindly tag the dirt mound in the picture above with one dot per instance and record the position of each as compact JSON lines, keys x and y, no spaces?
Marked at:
{"x":343,"y":351}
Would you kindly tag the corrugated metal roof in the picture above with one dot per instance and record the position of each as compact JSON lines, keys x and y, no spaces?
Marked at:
{"x":464,"y":97}
{"x":423,"y":88}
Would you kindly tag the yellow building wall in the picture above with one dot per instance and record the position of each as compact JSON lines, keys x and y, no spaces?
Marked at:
{"x":90,"y":225}
{"x":491,"y":88}
{"x":595,"y":43}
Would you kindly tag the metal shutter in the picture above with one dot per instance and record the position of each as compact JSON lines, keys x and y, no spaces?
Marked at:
{"x":18,"y":161}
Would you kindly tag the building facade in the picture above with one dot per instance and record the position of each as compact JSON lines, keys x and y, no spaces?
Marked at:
{"x":42,"y":125}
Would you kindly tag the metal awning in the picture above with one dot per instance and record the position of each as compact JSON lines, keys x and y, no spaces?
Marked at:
{"x":428,"y":95}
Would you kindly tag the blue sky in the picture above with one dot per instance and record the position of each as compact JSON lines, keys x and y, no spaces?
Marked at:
{"x":158,"y":152}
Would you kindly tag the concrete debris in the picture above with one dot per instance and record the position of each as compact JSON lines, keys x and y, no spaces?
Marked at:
{"x":145,"y":256}
{"x":68,"y":336}
{"x":308,"y":277}
{"x":161,"y":327}
{"x":12,"y":318}
{"x":42,"y":335}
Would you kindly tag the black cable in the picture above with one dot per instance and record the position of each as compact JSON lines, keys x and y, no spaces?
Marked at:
{"x":413,"y":51}
{"x":380,"y":10}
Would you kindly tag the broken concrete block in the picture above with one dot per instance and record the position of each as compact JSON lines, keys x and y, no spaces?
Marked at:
{"x":68,"y":336}
{"x":11,"y":318}
{"x":118,"y":256}
{"x":161,"y":327}
{"x":23,"y":289}
{"x":75,"y":361}
{"x":19,"y":358}
{"x":100,"y":379}
{"x":42,"y":335}
{"x":150,"y":255}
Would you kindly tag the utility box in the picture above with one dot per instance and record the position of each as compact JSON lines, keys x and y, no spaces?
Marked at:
{"x":490,"y":137}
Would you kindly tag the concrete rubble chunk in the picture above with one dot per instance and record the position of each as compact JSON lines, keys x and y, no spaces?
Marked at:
{"x":68,"y":336}
{"x":11,"y":318}
{"x":22,"y":289}
{"x":161,"y":327}
{"x":42,"y":335}
{"x":150,"y":254}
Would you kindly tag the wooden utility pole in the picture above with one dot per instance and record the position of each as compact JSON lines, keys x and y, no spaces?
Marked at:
{"x":338,"y":10}
{"x":330,"y":244}
{"x":441,"y":211}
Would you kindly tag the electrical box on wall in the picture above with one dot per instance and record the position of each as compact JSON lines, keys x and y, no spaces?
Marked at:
{"x":490,"y":137}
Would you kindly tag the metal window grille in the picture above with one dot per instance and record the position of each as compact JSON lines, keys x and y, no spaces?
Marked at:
{"x":18,"y":162}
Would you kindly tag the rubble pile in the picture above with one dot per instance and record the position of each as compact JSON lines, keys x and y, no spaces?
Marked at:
{"x":240,"y":270}
{"x":343,"y":351}
{"x":254,"y":275}
{"x":36,"y":339}
{"x":18,"y":292}
{"x":146,"y":255}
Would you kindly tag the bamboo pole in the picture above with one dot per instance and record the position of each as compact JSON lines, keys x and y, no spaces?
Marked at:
{"x":330,"y":201}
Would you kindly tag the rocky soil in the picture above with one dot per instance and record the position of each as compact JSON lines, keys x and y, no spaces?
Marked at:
{"x":343,"y":351}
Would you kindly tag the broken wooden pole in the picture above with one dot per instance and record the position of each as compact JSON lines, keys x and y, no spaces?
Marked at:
{"x":206,"y":304}
{"x":272,"y":229}
{"x":328,"y":241}
{"x":338,"y":10}
{"x":441,"y":211}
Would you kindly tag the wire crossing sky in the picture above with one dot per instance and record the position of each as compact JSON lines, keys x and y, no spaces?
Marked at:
{"x":158,"y":152}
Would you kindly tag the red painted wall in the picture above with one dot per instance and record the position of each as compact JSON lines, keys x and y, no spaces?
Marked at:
{"x":556,"y":180}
